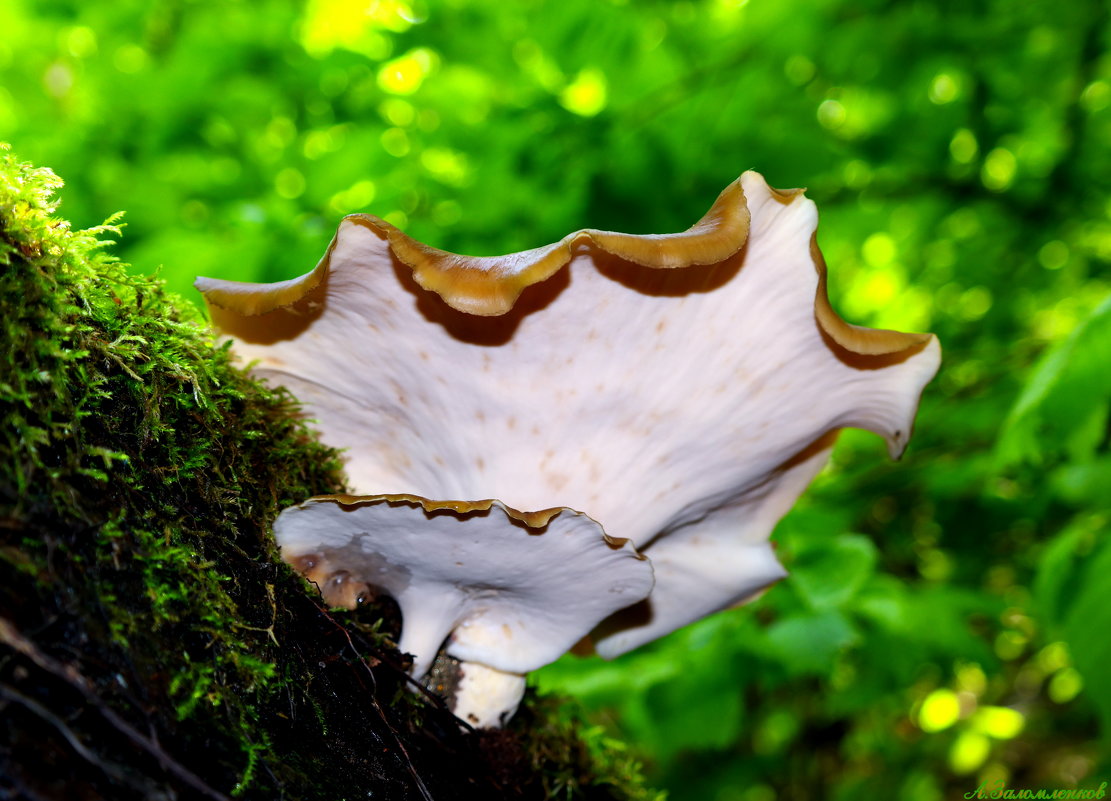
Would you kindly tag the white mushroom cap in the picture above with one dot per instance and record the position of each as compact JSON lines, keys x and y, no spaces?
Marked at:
{"x":504,"y":589}
{"x":680,"y":389}
{"x":720,"y":561}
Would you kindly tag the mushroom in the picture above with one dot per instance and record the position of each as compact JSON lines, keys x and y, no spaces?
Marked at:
{"x":502,"y":591}
{"x":681,"y":389}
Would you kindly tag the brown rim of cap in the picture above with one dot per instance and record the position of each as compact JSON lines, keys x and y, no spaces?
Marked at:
{"x":489,"y":286}
{"x":538,"y":519}
{"x":854,"y":338}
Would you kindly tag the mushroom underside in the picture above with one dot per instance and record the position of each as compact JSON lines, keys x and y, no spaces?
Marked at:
{"x":500,"y":591}
{"x":681,"y":389}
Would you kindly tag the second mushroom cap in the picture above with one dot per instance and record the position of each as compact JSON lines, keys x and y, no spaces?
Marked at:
{"x":508,"y":590}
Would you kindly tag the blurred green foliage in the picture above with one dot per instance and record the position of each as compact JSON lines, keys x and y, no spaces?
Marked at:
{"x":947,"y":619}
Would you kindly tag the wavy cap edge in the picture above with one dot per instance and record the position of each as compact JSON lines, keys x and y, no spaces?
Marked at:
{"x":533,"y":520}
{"x":489,"y":286}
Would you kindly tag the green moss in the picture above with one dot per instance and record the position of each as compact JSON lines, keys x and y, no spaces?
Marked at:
{"x":568,"y":759}
{"x":150,"y":638}
{"x":140,"y":470}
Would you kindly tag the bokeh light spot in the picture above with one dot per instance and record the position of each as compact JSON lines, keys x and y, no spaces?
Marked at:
{"x":879,"y":250}
{"x":1000,"y":722}
{"x":1065,"y":686}
{"x":1010,"y":645}
{"x":878,"y":289}
{"x":396,"y":217}
{"x":538,"y":65}
{"x":79,"y":41}
{"x":853,"y":112}
{"x":447,"y":212}
{"x":857,"y":174}
{"x":934,"y":564}
{"x":1096,"y":96}
{"x":971,"y":678}
{"x":404,"y":75}
{"x":395,"y":142}
{"x":1054,"y":657}
{"x":289,"y":183}
{"x":1054,"y":255}
{"x":355,"y":198}
{"x":398,"y":112}
{"x":217,"y":131}
{"x":974,"y":303}
{"x":831,"y":114}
{"x":940,"y":710}
{"x":357,"y":25}
{"x":58,"y":79}
{"x":799,"y":69}
{"x":586,"y":95}
{"x":964,"y":223}
{"x":963,"y":146}
{"x":944,"y":88}
{"x":445,"y":165}
{"x":130,"y":59}
{"x":969,"y":751}
{"x":320,"y":143}
{"x":999,"y":169}
{"x":280,"y":132}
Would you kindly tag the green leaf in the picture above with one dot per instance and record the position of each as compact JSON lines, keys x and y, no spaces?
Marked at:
{"x":1086,"y":631}
{"x":829,"y":577}
{"x":1055,"y":582}
{"x":703,"y":711}
{"x":1085,"y":483}
{"x":810,"y":643}
{"x":1064,"y":403}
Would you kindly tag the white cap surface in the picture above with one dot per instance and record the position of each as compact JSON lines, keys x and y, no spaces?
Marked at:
{"x":679,"y":389}
{"x":489,"y":585}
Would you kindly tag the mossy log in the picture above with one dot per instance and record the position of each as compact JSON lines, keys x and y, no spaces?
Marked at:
{"x":152,"y":645}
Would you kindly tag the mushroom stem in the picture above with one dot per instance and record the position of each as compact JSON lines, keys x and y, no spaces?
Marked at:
{"x":427,"y":620}
{"x":485,"y":697}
